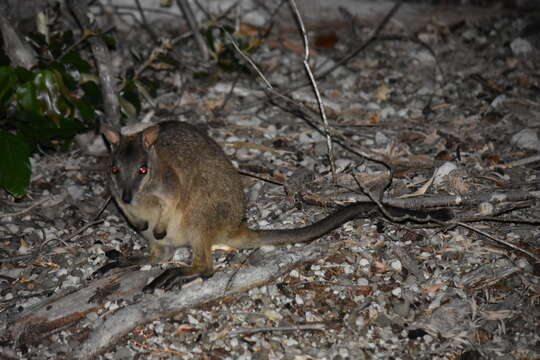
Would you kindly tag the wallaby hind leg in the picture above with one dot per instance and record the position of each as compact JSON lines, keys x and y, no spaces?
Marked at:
{"x":202,"y":266}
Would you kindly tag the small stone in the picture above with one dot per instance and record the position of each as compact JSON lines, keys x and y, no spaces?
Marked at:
{"x":92,"y":316}
{"x":526,"y":139}
{"x":364,"y":262}
{"x":402,"y":308}
{"x":443,"y":171}
{"x":362,"y":282}
{"x":396,"y":265}
{"x":273,"y":315}
{"x":76,"y":192}
{"x":486,"y":208}
{"x":380,"y":138}
{"x":123,"y":353}
{"x":520,"y":46}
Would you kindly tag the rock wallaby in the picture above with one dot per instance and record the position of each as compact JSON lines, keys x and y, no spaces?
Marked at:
{"x":176,"y":187}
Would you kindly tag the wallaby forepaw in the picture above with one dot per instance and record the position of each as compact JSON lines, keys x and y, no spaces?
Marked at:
{"x":159,"y":234}
{"x":140,"y":226}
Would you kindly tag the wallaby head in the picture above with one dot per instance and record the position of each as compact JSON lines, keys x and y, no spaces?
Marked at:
{"x":132,"y":162}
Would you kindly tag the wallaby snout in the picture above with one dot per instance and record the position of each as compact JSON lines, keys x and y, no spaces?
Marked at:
{"x":127,"y":196}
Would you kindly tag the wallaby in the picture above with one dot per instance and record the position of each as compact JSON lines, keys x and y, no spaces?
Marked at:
{"x":177,"y":188}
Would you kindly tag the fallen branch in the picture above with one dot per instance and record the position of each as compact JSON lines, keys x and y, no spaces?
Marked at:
{"x":67,"y":310}
{"x":103,"y":60}
{"x":250,"y":331}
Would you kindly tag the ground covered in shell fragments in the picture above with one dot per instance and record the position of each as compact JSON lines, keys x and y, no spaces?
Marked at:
{"x":382,"y":290}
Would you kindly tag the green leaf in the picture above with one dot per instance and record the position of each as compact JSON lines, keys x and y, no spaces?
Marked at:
{"x":8,"y":81}
{"x":131,"y":95}
{"x":4,"y":59}
{"x":40,"y":129}
{"x":27,"y":99}
{"x":86,"y":112}
{"x":128,"y":108}
{"x":14,"y":164}
{"x":92,"y":94}
{"x":74,"y":59}
{"x":109,"y":40}
{"x":23,"y":75}
{"x":67,"y":37}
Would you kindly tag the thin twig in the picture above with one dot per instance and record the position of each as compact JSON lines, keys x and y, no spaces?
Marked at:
{"x":247,"y":58}
{"x":315,"y":88}
{"x":71,"y":236}
{"x":510,"y":245}
{"x":271,"y":20}
{"x":243,"y":331}
{"x":229,"y":95}
{"x":194,"y":26}
{"x":260,"y":177}
{"x":144,"y":23}
{"x":519,"y":162}
{"x":298,"y":109}
{"x":360,"y":48}
{"x":102,"y":207}
{"x":24,"y":211}
{"x":103,"y":60}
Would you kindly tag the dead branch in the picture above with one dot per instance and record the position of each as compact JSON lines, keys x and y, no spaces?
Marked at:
{"x":249,"y":331}
{"x":313,"y":83}
{"x":103,"y":62}
{"x":67,"y":310}
{"x":500,"y":241}
{"x":19,"y":52}
{"x":144,"y":23}
{"x":194,"y":26}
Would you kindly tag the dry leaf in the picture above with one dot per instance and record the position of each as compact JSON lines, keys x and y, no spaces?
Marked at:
{"x":248,"y":29}
{"x":382,"y":92}
{"x":183,"y":328}
{"x":433,"y":288}
{"x":374,"y":118}
{"x":326,"y":40}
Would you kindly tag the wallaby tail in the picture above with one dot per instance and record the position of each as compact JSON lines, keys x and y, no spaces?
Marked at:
{"x":248,"y":238}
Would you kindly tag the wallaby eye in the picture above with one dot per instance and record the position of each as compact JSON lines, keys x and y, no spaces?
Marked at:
{"x":143,"y":170}
{"x":115,"y":169}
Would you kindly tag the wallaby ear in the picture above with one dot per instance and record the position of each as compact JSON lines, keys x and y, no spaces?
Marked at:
{"x":150,"y":136}
{"x":112,"y":136}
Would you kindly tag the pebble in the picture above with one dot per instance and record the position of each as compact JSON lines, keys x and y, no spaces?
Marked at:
{"x":526,"y":139}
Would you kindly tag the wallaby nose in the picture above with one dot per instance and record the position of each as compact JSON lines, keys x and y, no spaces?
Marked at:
{"x":127,"y":196}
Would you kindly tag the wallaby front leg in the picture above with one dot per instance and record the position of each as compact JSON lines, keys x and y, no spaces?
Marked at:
{"x":137,"y":223}
{"x":160,"y":229}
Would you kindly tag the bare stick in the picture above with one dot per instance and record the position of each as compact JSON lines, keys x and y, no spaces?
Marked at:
{"x":519,"y":162}
{"x":360,"y":48}
{"x":150,"y":31}
{"x":71,"y":236}
{"x":328,"y":136}
{"x":24,"y":211}
{"x":247,"y":58}
{"x":104,"y":64}
{"x":243,"y":331}
{"x":500,"y":241}
{"x":194,"y":26}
